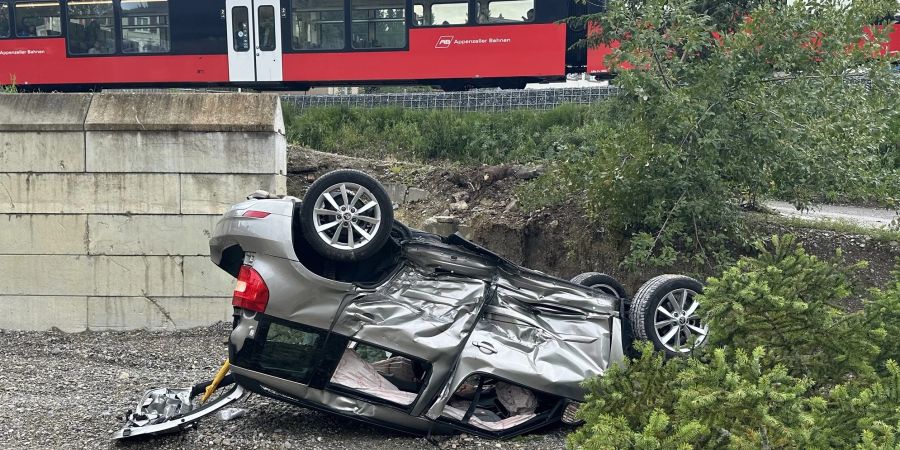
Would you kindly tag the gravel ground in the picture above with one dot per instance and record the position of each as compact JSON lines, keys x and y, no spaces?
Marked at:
{"x":62,"y":390}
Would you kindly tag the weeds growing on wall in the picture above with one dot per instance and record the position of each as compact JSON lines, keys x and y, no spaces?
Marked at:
{"x":9,"y":88}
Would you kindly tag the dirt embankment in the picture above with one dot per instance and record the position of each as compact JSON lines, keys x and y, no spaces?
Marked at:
{"x":481,"y":201}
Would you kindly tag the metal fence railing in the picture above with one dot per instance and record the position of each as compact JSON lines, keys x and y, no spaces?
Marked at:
{"x":476,"y":100}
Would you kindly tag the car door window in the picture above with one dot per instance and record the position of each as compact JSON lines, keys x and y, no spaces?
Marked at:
{"x":379,"y":373}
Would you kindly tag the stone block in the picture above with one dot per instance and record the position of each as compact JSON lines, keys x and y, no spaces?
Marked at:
{"x":95,"y":193}
{"x":441,"y":225}
{"x":150,"y":234}
{"x":185,"y":112}
{"x":43,"y":112}
{"x":156,"y":313}
{"x":396,"y":192}
{"x":36,"y":151}
{"x":202,"y":278}
{"x":416,"y":195}
{"x":214,"y":194}
{"x":40,"y":313}
{"x":186,"y":152}
{"x":53,"y":275}
{"x":43,"y":234}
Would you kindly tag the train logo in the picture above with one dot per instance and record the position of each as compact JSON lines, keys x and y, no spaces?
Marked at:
{"x":444,"y":42}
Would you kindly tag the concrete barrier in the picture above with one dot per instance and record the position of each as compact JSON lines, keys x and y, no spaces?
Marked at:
{"x":107,"y":202}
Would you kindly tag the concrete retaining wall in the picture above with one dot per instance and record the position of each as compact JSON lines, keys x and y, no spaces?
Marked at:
{"x":107,"y":202}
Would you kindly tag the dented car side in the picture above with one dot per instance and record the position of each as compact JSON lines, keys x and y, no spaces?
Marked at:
{"x":456,"y":311}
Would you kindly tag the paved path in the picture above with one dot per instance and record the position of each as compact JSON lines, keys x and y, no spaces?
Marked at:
{"x":866,"y":217}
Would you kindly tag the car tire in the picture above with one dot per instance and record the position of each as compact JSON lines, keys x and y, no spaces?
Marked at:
{"x":664,"y":312}
{"x":603,"y":283}
{"x":346,"y":215}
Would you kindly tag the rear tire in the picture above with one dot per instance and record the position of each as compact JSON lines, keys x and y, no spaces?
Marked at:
{"x":603,"y":283}
{"x":664,"y":312}
{"x":346,"y":215}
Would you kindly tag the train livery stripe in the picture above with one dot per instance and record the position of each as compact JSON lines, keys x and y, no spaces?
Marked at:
{"x":44,"y":61}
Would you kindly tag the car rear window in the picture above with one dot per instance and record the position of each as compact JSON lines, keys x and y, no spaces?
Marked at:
{"x":287,"y":352}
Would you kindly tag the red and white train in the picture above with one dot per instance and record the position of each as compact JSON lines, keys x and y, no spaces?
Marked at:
{"x":292,"y":44}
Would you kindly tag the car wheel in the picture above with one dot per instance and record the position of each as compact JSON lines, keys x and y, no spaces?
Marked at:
{"x":601,"y":282}
{"x":664,"y":312}
{"x":346,"y":215}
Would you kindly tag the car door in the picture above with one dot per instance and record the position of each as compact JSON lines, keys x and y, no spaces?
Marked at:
{"x":424,"y":318}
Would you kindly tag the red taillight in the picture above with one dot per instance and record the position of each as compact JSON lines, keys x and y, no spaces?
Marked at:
{"x":251,"y":291}
{"x":256,"y":214}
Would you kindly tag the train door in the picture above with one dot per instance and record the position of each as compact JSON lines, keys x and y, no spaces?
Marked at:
{"x":254,"y":38}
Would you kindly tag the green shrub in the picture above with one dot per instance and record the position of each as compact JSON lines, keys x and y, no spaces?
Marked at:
{"x":791,"y":303}
{"x":719,"y":112}
{"x":784,"y":367}
{"x":881,"y":317}
{"x":729,"y":400}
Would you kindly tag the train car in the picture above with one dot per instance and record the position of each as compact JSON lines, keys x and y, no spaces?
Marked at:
{"x":597,"y":67}
{"x":287,"y":44}
{"x":294,"y":44}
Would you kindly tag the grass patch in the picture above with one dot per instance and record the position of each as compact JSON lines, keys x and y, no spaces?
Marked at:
{"x":469,"y":137}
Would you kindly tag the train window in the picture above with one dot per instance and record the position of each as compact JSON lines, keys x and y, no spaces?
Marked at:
{"x":91,"y":29}
{"x":506,"y":11}
{"x":265,"y":18}
{"x":4,"y":20}
{"x":378,"y":24}
{"x":145,"y":26}
{"x":240,"y":22}
{"x":419,"y":18}
{"x":318,"y":25}
{"x":450,"y":13}
{"x":37,"y":18}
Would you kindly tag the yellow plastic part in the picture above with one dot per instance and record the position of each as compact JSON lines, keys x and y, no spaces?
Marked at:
{"x":215,"y":382}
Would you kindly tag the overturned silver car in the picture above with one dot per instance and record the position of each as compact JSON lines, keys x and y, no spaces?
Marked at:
{"x":340,"y":308}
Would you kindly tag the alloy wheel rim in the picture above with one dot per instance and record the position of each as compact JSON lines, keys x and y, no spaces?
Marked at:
{"x":346,"y":216}
{"x":676,"y":322}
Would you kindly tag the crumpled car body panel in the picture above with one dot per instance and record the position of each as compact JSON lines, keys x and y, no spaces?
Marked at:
{"x":449,"y":308}
{"x":165,"y":411}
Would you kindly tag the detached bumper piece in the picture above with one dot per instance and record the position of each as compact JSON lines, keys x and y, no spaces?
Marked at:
{"x":165,"y":411}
